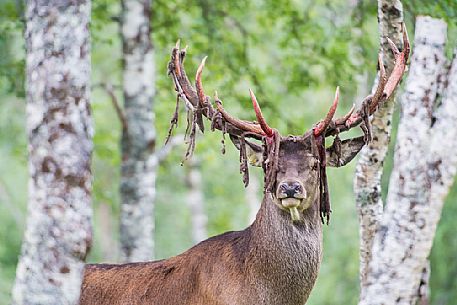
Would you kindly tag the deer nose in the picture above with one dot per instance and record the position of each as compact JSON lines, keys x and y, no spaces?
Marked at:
{"x":291,"y":189}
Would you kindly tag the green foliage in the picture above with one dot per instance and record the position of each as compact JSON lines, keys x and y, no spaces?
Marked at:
{"x":444,"y":265}
{"x":12,"y":61}
{"x":445,"y":9}
{"x":291,"y":53}
{"x":13,"y":189}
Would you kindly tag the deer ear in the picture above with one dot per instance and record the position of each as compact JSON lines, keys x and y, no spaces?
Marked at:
{"x":254,"y":152}
{"x":340,"y":154}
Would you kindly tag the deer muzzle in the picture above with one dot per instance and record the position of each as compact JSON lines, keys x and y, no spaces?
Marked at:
{"x":292,"y":197}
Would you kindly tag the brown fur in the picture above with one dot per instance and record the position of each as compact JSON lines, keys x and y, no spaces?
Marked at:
{"x":270,"y":262}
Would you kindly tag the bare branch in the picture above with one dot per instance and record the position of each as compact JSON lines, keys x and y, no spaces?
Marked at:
{"x":119,"y":111}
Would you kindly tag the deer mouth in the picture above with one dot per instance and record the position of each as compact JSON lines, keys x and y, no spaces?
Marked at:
{"x":294,"y":205}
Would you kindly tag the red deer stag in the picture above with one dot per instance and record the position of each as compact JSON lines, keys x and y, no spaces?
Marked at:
{"x":276,"y":260}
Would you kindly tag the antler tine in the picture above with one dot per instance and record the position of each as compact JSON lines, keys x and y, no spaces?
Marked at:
{"x":393,"y":47}
{"x":382,"y":81}
{"x":344,"y":118}
{"x":400,"y":65}
{"x":201,"y":95}
{"x":182,"y":84}
{"x":198,"y":82}
{"x":385,"y":88}
{"x":243,"y":125}
{"x":406,"y":44}
{"x":258,"y":113}
{"x":175,"y":55}
{"x":322,"y":125}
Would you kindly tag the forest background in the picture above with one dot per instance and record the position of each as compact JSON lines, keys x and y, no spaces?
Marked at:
{"x":292,"y":53}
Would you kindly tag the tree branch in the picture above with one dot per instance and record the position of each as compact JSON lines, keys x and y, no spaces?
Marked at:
{"x":109,"y":89}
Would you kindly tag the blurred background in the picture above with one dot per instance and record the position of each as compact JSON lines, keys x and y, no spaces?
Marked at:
{"x":291,"y":53}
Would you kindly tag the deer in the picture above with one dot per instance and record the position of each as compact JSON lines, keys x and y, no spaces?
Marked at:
{"x":276,"y":259}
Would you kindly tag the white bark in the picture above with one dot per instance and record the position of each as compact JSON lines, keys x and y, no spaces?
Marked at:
{"x":423,"y":292}
{"x":195,"y":201}
{"x":367,"y":182}
{"x":443,"y":141}
{"x":108,"y":243}
{"x":139,"y":162}
{"x":252,"y":198}
{"x":58,"y":234}
{"x":423,"y":171}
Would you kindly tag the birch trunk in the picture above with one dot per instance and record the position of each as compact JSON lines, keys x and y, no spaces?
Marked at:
{"x":195,"y":201}
{"x":138,"y":173}
{"x":58,"y":234}
{"x":425,"y":166}
{"x":252,"y":198}
{"x":108,"y":243}
{"x":367,"y":182}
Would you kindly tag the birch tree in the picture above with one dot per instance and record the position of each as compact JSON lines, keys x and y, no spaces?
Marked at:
{"x":195,"y":201}
{"x":138,"y":172}
{"x":367,"y":182}
{"x":251,"y":195}
{"x":58,"y":233}
{"x":396,"y":238}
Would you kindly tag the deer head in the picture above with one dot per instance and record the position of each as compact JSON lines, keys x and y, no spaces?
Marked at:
{"x":294,"y":166}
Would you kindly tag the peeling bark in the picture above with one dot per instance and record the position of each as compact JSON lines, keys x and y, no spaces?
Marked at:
{"x":424,"y":169}
{"x":139,"y":162}
{"x":367,"y":182}
{"x":195,"y":201}
{"x":423,"y":293}
{"x":58,"y":234}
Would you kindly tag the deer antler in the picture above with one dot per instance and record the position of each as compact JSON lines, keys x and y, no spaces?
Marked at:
{"x":258,"y":113}
{"x":244,"y":126}
{"x":322,"y":125}
{"x":197,"y":101}
{"x":386,"y":86}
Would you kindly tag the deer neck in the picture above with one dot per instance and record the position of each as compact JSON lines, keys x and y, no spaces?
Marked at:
{"x":284,"y":254}
{"x":276,"y":226}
